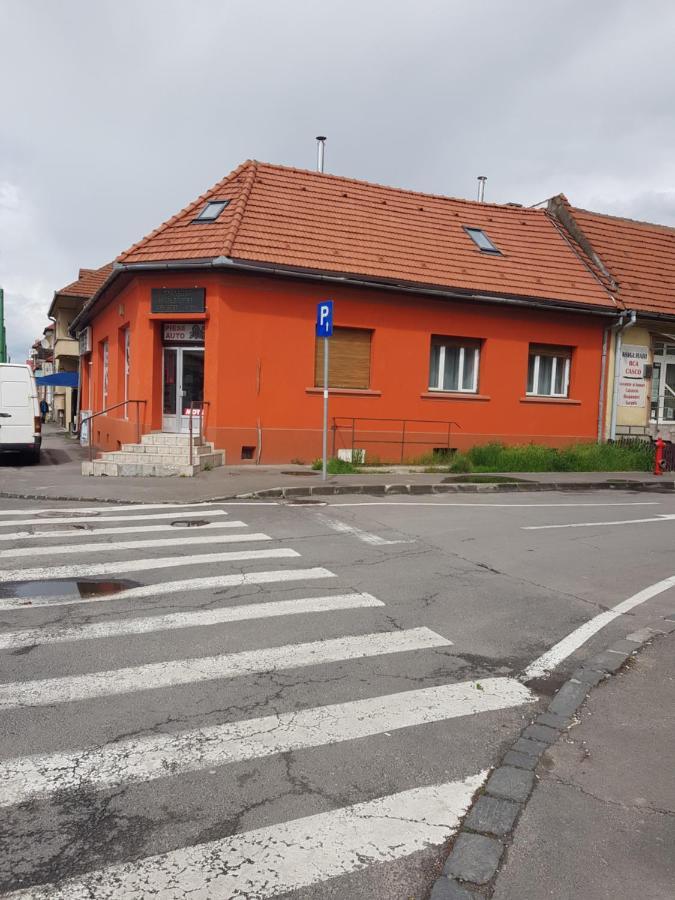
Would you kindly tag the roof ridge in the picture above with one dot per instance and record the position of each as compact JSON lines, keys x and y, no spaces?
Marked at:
{"x":387,"y":187}
{"x":642,"y":222}
{"x":192,"y":205}
{"x":580,"y":253}
{"x":240,"y":207}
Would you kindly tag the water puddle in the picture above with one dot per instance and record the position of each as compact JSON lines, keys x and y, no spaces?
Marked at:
{"x":65,"y":589}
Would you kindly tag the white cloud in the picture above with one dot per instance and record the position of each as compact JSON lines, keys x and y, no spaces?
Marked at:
{"x":129,"y":110}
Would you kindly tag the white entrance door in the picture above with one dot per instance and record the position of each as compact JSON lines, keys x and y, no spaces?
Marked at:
{"x":183,"y":386}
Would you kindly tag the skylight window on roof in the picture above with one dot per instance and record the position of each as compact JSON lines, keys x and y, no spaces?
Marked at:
{"x":211,"y":211}
{"x":481,"y":240}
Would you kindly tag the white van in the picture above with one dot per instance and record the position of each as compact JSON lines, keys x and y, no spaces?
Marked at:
{"x":20,"y":423}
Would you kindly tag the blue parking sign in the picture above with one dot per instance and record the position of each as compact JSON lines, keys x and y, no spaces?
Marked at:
{"x":324,"y":319}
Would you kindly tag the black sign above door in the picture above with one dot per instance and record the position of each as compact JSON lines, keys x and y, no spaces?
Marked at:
{"x":178,"y":300}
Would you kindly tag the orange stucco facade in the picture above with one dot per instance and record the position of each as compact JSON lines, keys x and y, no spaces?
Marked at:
{"x":259,"y":358}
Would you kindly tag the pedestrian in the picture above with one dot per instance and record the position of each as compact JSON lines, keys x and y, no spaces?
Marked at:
{"x":44,"y":409}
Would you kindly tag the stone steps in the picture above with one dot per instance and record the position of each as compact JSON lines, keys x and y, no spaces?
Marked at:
{"x":158,"y":455}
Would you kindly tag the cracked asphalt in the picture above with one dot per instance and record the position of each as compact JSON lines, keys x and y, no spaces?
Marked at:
{"x":465,"y":569}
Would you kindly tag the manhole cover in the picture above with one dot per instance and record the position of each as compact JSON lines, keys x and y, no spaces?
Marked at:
{"x":190,"y":523}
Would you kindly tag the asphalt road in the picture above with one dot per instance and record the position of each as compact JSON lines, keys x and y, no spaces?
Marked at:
{"x":288,"y":700}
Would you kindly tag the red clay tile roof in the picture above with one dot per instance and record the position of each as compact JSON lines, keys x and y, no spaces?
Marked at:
{"x":319,"y":222}
{"x":88,"y":282}
{"x":639,"y":255}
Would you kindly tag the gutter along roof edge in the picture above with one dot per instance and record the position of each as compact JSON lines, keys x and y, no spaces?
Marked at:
{"x":440,"y":291}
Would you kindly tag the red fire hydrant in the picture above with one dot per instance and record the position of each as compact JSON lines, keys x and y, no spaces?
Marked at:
{"x":658,"y":457}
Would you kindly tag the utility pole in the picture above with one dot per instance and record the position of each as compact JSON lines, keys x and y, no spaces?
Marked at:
{"x":3,"y":333}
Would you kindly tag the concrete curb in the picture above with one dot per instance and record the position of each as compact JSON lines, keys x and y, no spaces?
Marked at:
{"x":478,"y":847}
{"x":329,"y":490}
{"x":378,"y":490}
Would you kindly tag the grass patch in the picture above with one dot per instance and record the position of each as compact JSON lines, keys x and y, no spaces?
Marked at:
{"x":637,"y":456}
{"x":336,"y":466}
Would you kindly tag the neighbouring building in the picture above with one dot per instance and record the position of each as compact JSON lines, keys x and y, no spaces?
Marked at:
{"x":65,"y":305}
{"x":636,"y":262}
{"x":42,"y":363}
{"x":456,"y":323}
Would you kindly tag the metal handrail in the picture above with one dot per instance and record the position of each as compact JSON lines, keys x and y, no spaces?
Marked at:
{"x":403,"y":440}
{"x":202,"y":404}
{"x":102,"y":412}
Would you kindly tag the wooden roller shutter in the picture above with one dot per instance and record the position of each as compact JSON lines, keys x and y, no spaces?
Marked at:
{"x":550,"y":350}
{"x":348,"y":359}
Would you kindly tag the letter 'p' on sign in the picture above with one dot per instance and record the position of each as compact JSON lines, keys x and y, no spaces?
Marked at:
{"x":324,"y":319}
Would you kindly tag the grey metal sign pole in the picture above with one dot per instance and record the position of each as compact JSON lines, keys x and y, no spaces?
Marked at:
{"x":326,"y":351}
{"x":324,"y":330}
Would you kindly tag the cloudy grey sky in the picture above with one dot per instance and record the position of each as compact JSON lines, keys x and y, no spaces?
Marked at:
{"x":115,"y":113}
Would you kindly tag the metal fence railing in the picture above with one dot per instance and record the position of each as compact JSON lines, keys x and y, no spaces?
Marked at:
{"x":359,"y":432}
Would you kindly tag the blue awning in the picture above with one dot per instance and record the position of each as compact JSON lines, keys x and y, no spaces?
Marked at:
{"x":59,"y":379}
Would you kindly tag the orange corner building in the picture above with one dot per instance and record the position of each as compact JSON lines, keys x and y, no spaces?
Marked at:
{"x":456,"y":323}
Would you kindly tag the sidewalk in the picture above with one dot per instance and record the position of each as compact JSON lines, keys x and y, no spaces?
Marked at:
{"x":59,"y":477}
{"x":601,"y":820}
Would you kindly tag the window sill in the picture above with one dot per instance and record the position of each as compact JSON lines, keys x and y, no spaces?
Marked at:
{"x":565,"y":401}
{"x":345,"y":392}
{"x":453,"y":395}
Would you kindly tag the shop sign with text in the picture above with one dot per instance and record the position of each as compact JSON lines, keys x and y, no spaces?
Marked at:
{"x":183,"y":332}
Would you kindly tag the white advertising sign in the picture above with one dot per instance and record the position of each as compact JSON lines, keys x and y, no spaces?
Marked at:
{"x":633,"y":361}
{"x":632,"y":393}
{"x":632,"y":383}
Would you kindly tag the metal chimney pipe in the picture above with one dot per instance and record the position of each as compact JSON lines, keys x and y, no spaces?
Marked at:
{"x":320,"y":151}
{"x":481,"y":188}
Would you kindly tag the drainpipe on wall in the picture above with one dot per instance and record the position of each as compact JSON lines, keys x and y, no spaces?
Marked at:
{"x":619,"y":328}
{"x":603,"y":379}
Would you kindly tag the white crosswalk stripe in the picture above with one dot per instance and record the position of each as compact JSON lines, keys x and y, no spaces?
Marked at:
{"x":278,"y":576}
{"x":279,"y":857}
{"x":88,"y":532}
{"x":133,"y":507}
{"x":206,"y":668}
{"x":152,"y":544}
{"x":270,"y":861}
{"x":83,"y":517}
{"x":91,"y":570}
{"x":11,"y":640}
{"x":147,"y":758}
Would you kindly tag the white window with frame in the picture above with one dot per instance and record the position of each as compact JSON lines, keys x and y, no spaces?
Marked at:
{"x":127,"y":366}
{"x":663,"y":383}
{"x":548,"y":371}
{"x":104,"y":381}
{"x":454,"y":364}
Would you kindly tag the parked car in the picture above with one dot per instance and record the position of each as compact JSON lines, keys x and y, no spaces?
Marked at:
{"x":20,"y":425}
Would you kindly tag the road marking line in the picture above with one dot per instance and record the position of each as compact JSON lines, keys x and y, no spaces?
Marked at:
{"x":72,"y":520}
{"x":147,"y":758}
{"x":11,"y":640}
{"x":111,"y":507}
{"x":564,"y":648}
{"x":172,"y":587}
{"x":488,"y":505}
{"x":277,"y":859}
{"x":140,"y":565}
{"x":365,"y":536}
{"x":169,"y":673}
{"x":152,"y":544}
{"x":665,"y":517}
{"x":95,"y":532}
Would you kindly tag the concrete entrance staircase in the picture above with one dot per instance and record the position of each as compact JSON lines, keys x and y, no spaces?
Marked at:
{"x":158,"y":454}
